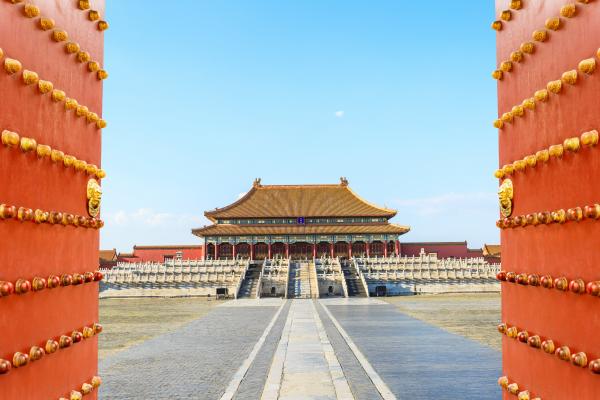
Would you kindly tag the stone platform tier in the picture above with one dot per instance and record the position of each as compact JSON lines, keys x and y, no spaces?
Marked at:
{"x":316,"y":278}
{"x":178,"y":278}
{"x":426,"y":274}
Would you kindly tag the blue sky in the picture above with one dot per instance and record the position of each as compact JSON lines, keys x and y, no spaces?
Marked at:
{"x":204,"y":96}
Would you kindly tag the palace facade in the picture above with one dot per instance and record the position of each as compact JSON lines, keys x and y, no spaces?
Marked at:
{"x":300,"y":221}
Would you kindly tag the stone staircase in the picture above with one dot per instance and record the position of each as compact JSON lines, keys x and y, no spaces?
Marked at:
{"x":353,"y":282}
{"x":299,"y":281}
{"x":250,"y":283}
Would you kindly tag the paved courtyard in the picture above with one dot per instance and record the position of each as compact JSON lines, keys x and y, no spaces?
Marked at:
{"x":304,"y":349}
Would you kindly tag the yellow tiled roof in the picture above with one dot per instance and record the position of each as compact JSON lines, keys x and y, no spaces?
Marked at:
{"x":108,"y":255}
{"x":492,"y":250}
{"x":260,"y":230}
{"x":278,"y":201}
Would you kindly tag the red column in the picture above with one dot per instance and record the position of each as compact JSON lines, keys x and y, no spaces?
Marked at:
{"x":385,"y":248}
{"x":233,"y":251}
{"x":331,"y":249}
{"x":216,"y":251}
{"x":204,"y":250}
{"x":397,"y":247}
{"x":314,"y":250}
{"x":287,"y":250}
{"x":269,"y":252}
{"x":368,"y":248}
{"x":349,"y":249}
{"x":252,"y":251}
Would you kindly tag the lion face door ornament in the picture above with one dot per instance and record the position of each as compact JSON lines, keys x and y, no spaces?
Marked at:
{"x":94,"y":196}
{"x":505,"y":197}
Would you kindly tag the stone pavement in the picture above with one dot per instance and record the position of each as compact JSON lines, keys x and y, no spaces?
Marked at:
{"x":195,"y":361}
{"x":304,"y":349}
{"x":417,"y":360}
{"x":305,"y":365}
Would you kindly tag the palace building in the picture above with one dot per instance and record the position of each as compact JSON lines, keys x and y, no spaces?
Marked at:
{"x":300,"y":221}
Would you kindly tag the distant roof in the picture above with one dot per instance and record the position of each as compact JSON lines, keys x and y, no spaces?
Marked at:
{"x":435,"y":243}
{"x":108,"y":255}
{"x":236,"y":230}
{"x":277,"y":201}
{"x":493,"y":250}
{"x":167,"y":247}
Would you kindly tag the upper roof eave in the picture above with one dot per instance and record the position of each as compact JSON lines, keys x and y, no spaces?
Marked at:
{"x":370,"y":209}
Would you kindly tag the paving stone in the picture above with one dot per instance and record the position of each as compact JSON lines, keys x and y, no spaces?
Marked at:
{"x":305,"y":371}
{"x":360,"y":384}
{"x":253,"y":383}
{"x":419,"y":361}
{"x":196,"y":361}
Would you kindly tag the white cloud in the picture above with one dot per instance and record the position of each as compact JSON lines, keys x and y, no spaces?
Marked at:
{"x":125,"y":228}
{"x":120,"y":217}
{"x":446,"y":202}
{"x":150,"y":218}
{"x":452,"y":216}
{"x":339,"y":114}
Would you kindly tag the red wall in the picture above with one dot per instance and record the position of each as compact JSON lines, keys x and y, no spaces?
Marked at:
{"x":157,"y":254}
{"x":443,"y":250}
{"x":28,"y":249}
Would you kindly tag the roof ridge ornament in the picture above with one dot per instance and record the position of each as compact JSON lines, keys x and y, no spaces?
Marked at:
{"x":343,"y":181}
{"x":256,"y":183}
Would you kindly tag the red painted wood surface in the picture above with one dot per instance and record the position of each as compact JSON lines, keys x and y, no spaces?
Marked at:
{"x":28,"y":249}
{"x":559,"y":250}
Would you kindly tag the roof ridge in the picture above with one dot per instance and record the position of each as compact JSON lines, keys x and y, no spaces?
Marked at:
{"x":232,"y":205}
{"x":311,"y":185}
{"x":394,"y":212}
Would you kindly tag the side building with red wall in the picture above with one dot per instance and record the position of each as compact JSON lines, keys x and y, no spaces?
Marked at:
{"x":450,"y":250}
{"x":162,"y":253}
{"x":442,"y":249}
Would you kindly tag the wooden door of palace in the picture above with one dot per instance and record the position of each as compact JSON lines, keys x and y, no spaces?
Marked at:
{"x":548,"y":116}
{"x":51,"y":77}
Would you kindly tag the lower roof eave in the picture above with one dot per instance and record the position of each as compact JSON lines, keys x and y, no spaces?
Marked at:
{"x":238,"y":230}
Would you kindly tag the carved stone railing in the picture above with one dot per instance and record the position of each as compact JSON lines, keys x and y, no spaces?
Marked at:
{"x":343,"y":278}
{"x":314,"y":281}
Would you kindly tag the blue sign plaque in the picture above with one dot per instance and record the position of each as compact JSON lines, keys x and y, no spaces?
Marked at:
{"x":300,"y":220}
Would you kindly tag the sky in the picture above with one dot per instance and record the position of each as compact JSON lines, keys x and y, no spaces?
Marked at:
{"x":204,"y":96}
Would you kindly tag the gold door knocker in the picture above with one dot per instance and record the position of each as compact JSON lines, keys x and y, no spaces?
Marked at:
{"x":505,"y":197}
{"x":94,"y":196}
